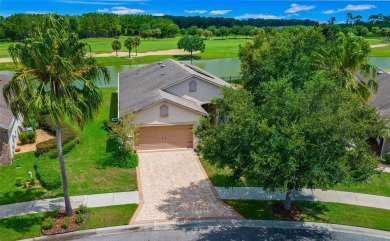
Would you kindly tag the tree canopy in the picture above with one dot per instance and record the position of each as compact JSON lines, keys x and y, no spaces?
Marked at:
{"x":313,"y":136}
{"x":297,"y":53}
{"x":191,"y":44}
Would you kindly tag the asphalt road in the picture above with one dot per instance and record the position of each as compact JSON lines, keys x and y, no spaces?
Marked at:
{"x":232,"y":233}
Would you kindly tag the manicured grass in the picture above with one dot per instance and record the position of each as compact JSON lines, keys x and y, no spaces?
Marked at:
{"x":28,"y":226}
{"x":21,"y":227}
{"x":378,"y":185}
{"x":7,"y":66}
{"x":388,"y":69}
{"x":85,"y":167}
{"x":103,"y":45}
{"x":9,"y":193}
{"x":381,"y":52}
{"x":337,"y":213}
{"x":110,"y":216}
{"x":374,"y":41}
{"x":4,"y":49}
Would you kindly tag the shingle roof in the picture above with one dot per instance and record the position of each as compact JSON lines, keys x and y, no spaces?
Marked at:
{"x":143,"y":87}
{"x":6,"y":116}
{"x":381,"y":100}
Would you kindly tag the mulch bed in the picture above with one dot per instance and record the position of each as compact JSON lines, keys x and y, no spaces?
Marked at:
{"x":279,"y":212}
{"x":57,"y":229}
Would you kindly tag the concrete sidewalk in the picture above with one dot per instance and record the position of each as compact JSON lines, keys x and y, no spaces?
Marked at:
{"x":258,"y":193}
{"x":97,"y":200}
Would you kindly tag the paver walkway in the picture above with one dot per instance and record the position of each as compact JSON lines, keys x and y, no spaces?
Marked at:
{"x":96,"y":200}
{"x":174,"y":186}
{"x":257,"y":193}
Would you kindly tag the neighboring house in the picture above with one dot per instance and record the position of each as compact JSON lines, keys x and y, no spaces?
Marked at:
{"x":8,"y":127}
{"x":381,"y":100}
{"x":168,"y":98}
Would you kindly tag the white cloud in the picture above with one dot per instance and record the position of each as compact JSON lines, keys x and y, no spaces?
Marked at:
{"x":121,"y":10}
{"x":104,"y":10}
{"x":158,"y":14}
{"x":298,"y":8}
{"x":220,"y":12}
{"x":125,"y":10}
{"x":196,"y":11}
{"x":351,"y":7}
{"x":259,"y":16}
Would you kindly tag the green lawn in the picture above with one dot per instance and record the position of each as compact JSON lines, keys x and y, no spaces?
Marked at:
{"x":337,"y":213}
{"x":4,"y":49}
{"x":381,"y":52}
{"x":374,"y":41}
{"x":28,"y":226}
{"x":379,"y":185}
{"x":85,"y":169}
{"x":388,"y":69}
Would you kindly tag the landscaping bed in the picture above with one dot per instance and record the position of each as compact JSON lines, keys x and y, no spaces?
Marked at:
{"x":56,"y":222}
{"x":28,"y":226}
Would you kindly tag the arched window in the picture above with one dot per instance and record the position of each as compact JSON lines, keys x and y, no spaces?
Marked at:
{"x":193,"y":86}
{"x":164,"y":110}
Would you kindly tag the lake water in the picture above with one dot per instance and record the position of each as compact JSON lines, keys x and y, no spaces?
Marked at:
{"x":223,"y":68}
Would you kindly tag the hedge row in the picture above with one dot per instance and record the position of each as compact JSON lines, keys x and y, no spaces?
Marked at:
{"x":68,"y":134}
{"x":65,"y":148}
{"x":48,"y":173}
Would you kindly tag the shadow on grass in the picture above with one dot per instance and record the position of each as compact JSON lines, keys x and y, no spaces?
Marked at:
{"x":21,"y":224}
{"x":111,"y":145}
{"x":314,"y":211}
{"x":22,"y":196}
{"x":186,"y":57}
{"x":113,"y":106}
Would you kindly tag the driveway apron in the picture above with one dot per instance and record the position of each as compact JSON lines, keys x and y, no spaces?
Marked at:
{"x":174,"y":186}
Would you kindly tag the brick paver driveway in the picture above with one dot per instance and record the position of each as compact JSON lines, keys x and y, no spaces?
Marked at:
{"x":174,"y":186}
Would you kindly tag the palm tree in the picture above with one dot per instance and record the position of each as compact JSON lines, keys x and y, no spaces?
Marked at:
{"x":53,"y":74}
{"x":129,"y":44}
{"x":116,"y":45}
{"x":349,"y":59}
{"x":137,"y":42}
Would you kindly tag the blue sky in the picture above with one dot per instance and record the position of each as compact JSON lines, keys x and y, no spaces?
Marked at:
{"x":315,"y":10}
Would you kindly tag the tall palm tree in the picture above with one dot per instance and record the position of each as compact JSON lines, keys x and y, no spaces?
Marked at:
{"x":116,"y":45}
{"x":348,"y":59}
{"x":129,"y":44}
{"x":54,"y":74}
{"x":137,"y":42}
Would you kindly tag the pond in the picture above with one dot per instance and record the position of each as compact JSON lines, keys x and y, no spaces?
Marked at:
{"x":223,"y":68}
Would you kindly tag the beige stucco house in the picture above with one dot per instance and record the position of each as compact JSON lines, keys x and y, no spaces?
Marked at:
{"x":168,"y":98}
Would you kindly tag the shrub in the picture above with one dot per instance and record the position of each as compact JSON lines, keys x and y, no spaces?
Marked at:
{"x":82,"y":209}
{"x":19,"y":182}
{"x":33,"y":181}
{"x":65,"y":149}
{"x":47,"y":223}
{"x":68,"y":134}
{"x":51,"y":214}
{"x":79,"y":218}
{"x":27,"y":137}
{"x":65,"y":224}
{"x":387,"y":158}
{"x":48,"y":174}
{"x":123,"y":160}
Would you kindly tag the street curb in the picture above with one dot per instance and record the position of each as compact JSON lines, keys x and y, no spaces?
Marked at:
{"x":216,"y":223}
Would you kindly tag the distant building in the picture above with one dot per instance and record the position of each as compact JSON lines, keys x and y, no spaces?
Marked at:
{"x":9,"y":127}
